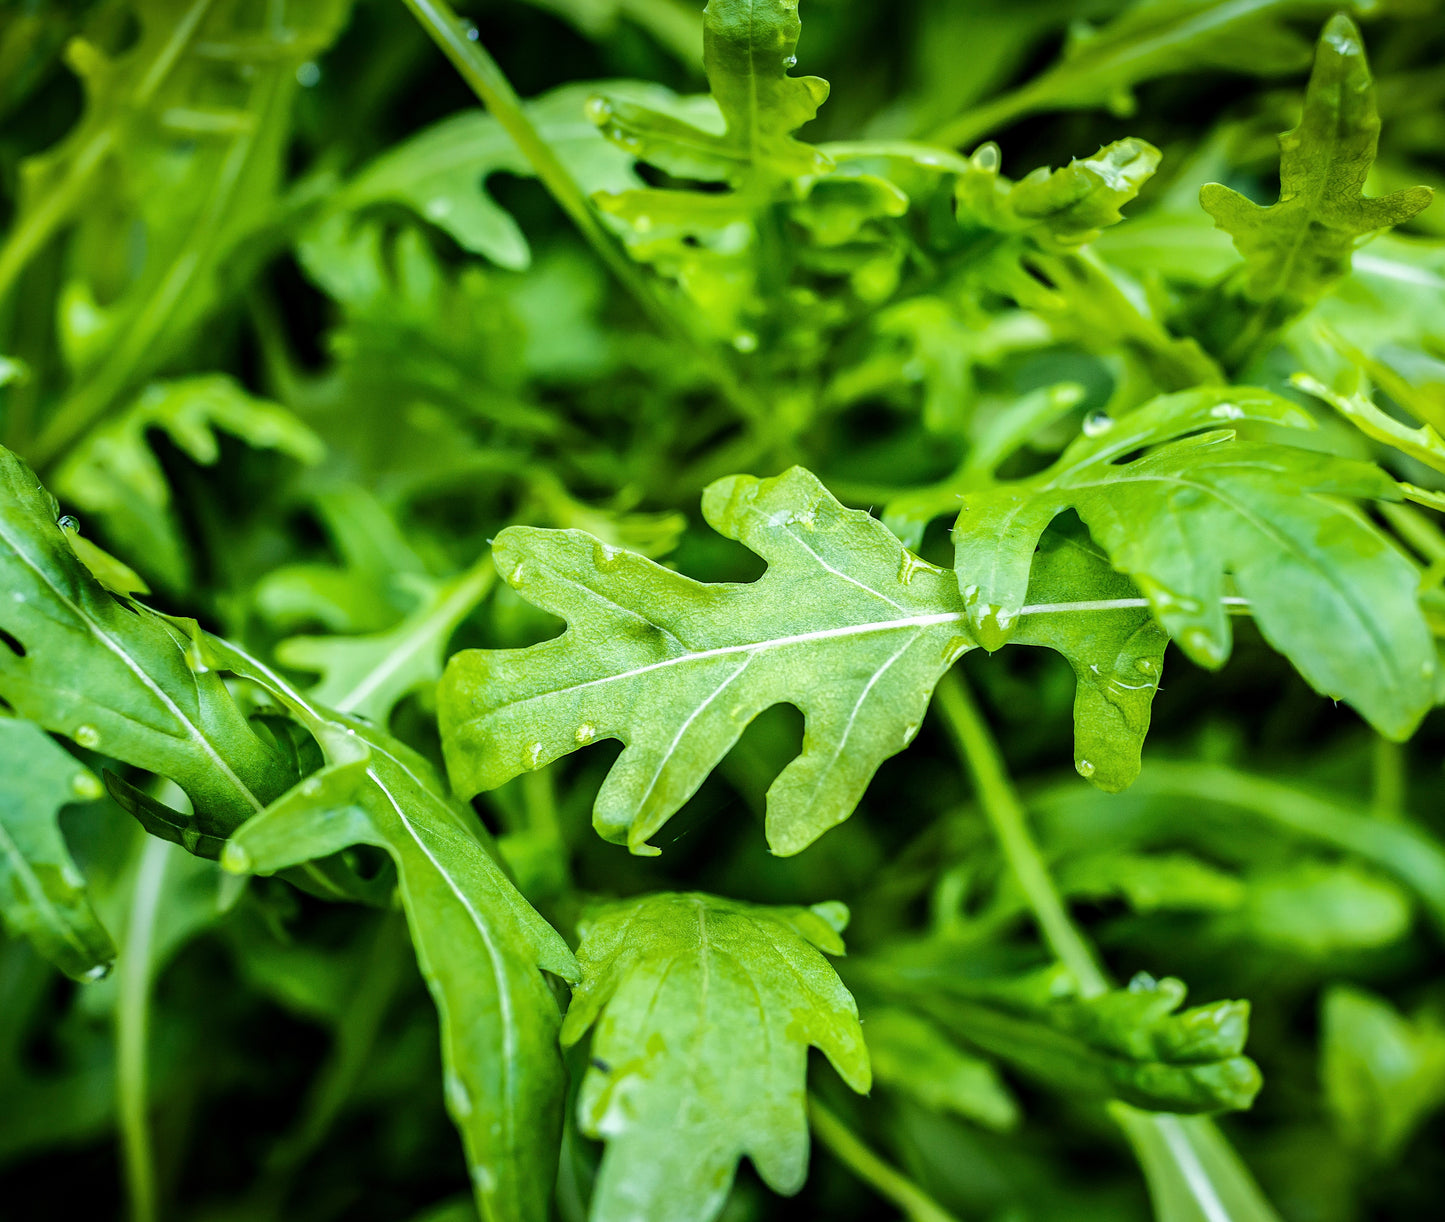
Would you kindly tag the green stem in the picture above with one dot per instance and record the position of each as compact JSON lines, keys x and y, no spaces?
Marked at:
{"x":1193,"y":1173}
{"x":463,"y":593}
{"x":60,"y":200}
{"x":1005,"y":813}
{"x":486,"y":79}
{"x":886,"y":1180}
{"x":144,"y":334}
{"x":132,"y":1016}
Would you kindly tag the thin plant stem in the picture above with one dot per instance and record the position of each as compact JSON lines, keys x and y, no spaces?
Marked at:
{"x":882,"y":1177}
{"x":1185,"y":1159}
{"x":132,"y":1027}
{"x":487,"y":80}
{"x":1005,"y":814}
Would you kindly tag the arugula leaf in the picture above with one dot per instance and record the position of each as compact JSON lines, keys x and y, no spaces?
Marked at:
{"x":1383,"y":1073}
{"x":42,"y":894}
{"x":114,"y":679}
{"x":186,"y":131}
{"x":910,"y":1054}
{"x":368,"y":675}
{"x":747,"y":51}
{"x":441,"y":172}
{"x":704,"y":1011}
{"x":1297,"y":248}
{"x":1127,"y":1044}
{"x":677,"y":669}
{"x":480,"y":945}
{"x":1065,"y":207}
{"x":114,"y":473}
{"x":1326,"y":588}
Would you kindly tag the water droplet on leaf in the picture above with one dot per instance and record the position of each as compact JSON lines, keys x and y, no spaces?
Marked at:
{"x":84,"y":786}
{"x":87,"y":736}
{"x":96,"y":972}
{"x":1096,"y":424}
{"x":745,"y":341}
{"x":69,"y":523}
{"x":1086,"y":769}
{"x":585,"y":733}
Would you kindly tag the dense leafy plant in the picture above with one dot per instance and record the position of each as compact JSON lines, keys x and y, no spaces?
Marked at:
{"x":387,"y":419}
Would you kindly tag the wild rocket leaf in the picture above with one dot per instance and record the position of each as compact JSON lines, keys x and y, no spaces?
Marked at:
{"x":704,"y":1009}
{"x":115,"y":474}
{"x":748,"y":50}
{"x":441,"y":173}
{"x":114,"y":677}
{"x":480,"y":945}
{"x":42,"y":894}
{"x":1326,"y":588}
{"x":1297,"y":248}
{"x":1131,"y":1044}
{"x":846,"y":624}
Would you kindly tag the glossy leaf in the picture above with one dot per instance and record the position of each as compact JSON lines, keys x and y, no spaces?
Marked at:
{"x":1298,"y":247}
{"x":115,"y":678}
{"x":1128,"y":1044}
{"x":677,"y":669}
{"x":704,"y":1009}
{"x":1200,"y":502}
{"x":42,"y":893}
{"x":480,"y":945}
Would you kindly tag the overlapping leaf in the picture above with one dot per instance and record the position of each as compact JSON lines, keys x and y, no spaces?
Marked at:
{"x":115,"y":679}
{"x":747,"y":52}
{"x":1324,"y":586}
{"x":1127,"y":1044}
{"x":704,"y":1011}
{"x":42,"y":894}
{"x":480,"y":945}
{"x":846,"y":624}
{"x":115,"y":474}
{"x":1296,"y":248}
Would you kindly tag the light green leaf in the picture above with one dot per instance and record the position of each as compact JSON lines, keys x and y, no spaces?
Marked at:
{"x":114,"y":473}
{"x":1128,"y":1044}
{"x":846,"y":625}
{"x":114,"y":677}
{"x":911,"y":1055}
{"x":1064,"y":208}
{"x":1154,"y":882}
{"x":1383,"y":1073}
{"x":368,"y":675}
{"x":704,"y":1011}
{"x":677,"y":669}
{"x":480,"y":945}
{"x":1296,"y":248}
{"x":1326,"y":588}
{"x":441,"y":172}
{"x":746,"y":137}
{"x":42,"y":894}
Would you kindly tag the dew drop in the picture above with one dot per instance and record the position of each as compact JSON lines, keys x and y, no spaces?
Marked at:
{"x":472,"y":33}
{"x":1086,"y":769}
{"x":235,"y":859}
{"x":790,"y":61}
{"x":987,"y":158}
{"x":437,"y":209}
{"x":459,"y":1098}
{"x":310,"y":788}
{"x":308,"y":74}
{"x":98,"y":971}
{"x":17,"y":597}
{"x":69,"y":523}
{"x":745,"y":341}
{"x":87,"y":736}
{"x":585,"y":733}
{"x":1096,"y":424}
{"x":910,"y":732}
{"x":86,"y":787}
{"x":599,"y":109}
{"x":534,"y":753}
{"x":1227,"y":411}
